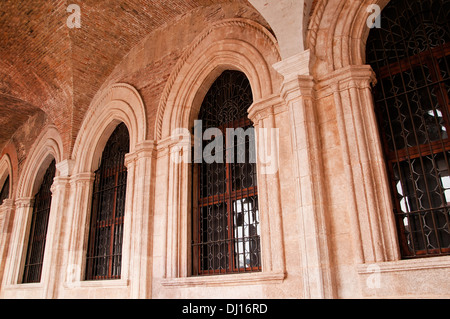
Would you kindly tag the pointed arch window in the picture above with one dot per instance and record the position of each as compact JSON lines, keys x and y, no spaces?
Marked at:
{"x":104,"y":255}
{"x":4,"y":193}
{"x":226,"y":224}
{"x":410,"y":54}
{"x":38,"y":231}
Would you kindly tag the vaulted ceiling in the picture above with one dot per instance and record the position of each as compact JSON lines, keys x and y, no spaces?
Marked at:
{"x":45,"y":66}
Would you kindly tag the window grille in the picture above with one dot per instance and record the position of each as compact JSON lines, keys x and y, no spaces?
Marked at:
{"x":410,"y":55}
{"x":38,"y":231}
{"x":226,"y":224}
{"x":4,"y":194}
{"x":104,"y":255}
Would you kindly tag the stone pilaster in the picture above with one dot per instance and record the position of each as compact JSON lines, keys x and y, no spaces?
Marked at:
{"x":139,"y":220}
{"x":15,"y":259}
{"x":262,"y":114}
{"x":56,"y":231}
{"x":298,"y":92}
{"x":369,"y":205}
{"x":7,"y":210}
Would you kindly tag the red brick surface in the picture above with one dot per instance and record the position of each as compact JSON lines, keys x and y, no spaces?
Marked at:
{"x":47,"y":67}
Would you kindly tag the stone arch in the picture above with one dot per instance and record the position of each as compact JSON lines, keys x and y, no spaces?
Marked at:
{"x":338,"y":32}
{"x":48,"y":146}
{"x":119,"y":103}
{"x":6,"y":169}
{"x":235,"y":44}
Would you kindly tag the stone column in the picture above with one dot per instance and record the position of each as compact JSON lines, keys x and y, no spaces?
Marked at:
{"x":76,"y":227}
{"x":298,"y":92}
{"x":173,"y":208}
{"x":6,"y":216}
{"x":371,"y":218}
{"x":139,"y":216}
{"x":52,"y":276}
{"x":262,"y":114}
{"x":15,"y":257}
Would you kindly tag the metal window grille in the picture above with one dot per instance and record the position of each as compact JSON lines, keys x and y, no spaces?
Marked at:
{"x":410,"y":55}
{"x":38,"y":231}
{"x":4,"y":194}
{"x":104,"y":255}
{"x":226,"y":224}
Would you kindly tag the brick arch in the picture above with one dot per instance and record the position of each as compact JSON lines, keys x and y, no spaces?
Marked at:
{"x":227,"y":45}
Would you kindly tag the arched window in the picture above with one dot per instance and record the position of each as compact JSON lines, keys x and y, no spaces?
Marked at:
{"x":410,"y":54}
{"x":225,"y":224}
{"x":4,"y":193}
{"x":104,"y":255}
{"x":38,"y":231}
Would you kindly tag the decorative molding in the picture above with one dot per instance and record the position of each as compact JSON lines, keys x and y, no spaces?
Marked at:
{"x":48,"y":144}
{"x":228,"y":280}
{"x":262,"y":109}
{"x":24,"y":202}
{"x":295,"y":65}
{"x":406,"y":265}
{"x":243,"y":23}
{"x":313,"y":28}
{"x":65,"y":167}
{"x":357,"y":76}
{"x":119,"y":102}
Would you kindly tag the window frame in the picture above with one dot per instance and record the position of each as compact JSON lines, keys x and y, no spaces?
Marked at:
{"x":39,"y":207}
{"x":395,"y":156}
{"x":228,"y":196}
{"x":119,"y":172}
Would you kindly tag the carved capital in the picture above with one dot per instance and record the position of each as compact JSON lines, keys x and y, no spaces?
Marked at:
{"x":65,"y":168}
{"x":295,"y":65}
{"x":358,"y":76}
{"x":262,"y":109}
{"x":83,"y":178}
{"x":24,"y":202}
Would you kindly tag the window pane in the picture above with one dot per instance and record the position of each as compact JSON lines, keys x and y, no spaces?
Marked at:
{"x":226,"y":217}
{"x":38,"y":231}
{"x":410,"y":57}
{"x":104,"y":257}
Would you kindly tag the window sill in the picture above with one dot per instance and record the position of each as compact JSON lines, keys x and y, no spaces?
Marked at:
{"x":406,"y":265}
{"x":114,"y":283}
{"x":25,"y":286}
{"x":225,"y":280}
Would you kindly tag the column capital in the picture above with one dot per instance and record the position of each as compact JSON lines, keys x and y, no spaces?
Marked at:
{"x":264,"y":108}
{"x":24,"y":202}
{"x":146,"y":149}
{"x":359,"y":76}
{"x":7,"y":204}
{"x":65,"y":168}
{"x":298,"y":81}
{"x":295,"y":65}
{"x":87,"y":177}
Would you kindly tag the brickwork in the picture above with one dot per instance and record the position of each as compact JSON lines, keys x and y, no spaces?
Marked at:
{"x":327,"y":228}
{"x":48,"y":66}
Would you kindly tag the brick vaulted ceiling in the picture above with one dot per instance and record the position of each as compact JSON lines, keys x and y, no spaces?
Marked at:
{"x":47,"y":67}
